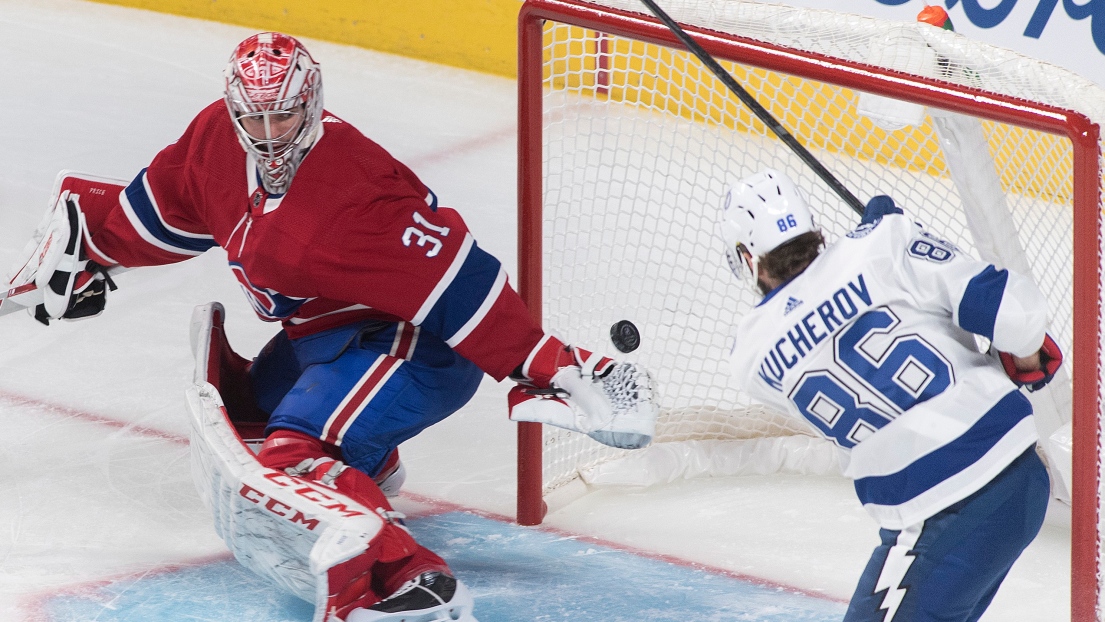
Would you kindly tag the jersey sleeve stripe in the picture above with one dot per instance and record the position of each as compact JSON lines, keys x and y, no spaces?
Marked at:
{"x":145,"y":216}
{"x":481,"y":313}
{"x":978,"y":309}
{"x":950,"y":459}
{"x":445,"y":281}
{"x":147,"y":194}
{"x":466,"y":296}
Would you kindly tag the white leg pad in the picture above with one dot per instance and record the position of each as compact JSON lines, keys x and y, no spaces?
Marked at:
{"x":287,"y":529}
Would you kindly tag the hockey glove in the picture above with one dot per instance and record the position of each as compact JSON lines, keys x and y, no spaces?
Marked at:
{"x":88,"y":297}
{"x":1051,"y":357}
{"x":575,"y":389}
{"x":552,"y":358}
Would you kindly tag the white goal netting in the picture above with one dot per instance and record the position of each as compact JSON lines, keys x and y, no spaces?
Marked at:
{"x":638,"y":144}
{"x":628,"y":146}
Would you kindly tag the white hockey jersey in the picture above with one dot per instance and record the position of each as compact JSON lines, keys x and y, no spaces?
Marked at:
{"x":873,"y":344}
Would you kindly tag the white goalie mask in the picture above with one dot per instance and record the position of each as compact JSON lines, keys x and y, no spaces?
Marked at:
{"x":760,"y":213}
{"x":274,"y":96}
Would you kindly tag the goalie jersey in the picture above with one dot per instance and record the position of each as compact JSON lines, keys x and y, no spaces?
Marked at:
{"x":874,"y":346}
{"x":377,"y":247}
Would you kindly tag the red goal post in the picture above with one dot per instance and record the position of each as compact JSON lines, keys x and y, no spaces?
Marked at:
{"x":626,"y":144}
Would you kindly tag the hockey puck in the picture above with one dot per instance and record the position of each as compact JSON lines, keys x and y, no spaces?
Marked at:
{"x":625,"y":336}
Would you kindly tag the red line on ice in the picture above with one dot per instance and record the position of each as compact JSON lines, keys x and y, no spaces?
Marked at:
{"x":433,"y":507}
{"x":473,"y":144}
{"x":35,"y":606}
{"x":82,"y":415}
{"x":437,"y":506}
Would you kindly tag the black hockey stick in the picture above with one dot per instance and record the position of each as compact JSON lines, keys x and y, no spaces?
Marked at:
{"x":753,"y":105}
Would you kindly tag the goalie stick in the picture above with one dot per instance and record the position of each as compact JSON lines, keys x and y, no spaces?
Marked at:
{"x":762,"y":113}
{"x":21,"y":297}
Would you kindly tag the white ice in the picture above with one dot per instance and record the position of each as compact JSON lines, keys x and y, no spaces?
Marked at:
{"x":101,"y":89}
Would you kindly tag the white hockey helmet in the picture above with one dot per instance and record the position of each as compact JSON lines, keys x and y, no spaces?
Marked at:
{"x":270,"y":77}
{"x":761,"y":213}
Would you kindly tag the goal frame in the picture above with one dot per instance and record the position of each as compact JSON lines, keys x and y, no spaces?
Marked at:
{"x":1087,"y":240}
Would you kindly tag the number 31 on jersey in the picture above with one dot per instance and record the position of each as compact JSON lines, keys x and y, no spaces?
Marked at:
{"x":425,"y":239}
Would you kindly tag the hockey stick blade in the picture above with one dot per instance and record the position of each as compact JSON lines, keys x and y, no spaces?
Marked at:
{"x":762,"y":113}
{"x":18,"y":298}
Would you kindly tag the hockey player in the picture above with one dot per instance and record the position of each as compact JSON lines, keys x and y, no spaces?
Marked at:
{"x":872,"y":342}
{"x":391,"y":313}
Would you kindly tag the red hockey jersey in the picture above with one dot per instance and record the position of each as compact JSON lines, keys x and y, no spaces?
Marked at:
{"x":356,"y":236}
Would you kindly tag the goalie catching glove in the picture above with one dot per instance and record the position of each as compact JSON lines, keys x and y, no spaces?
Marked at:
{"x":1051,"y":357}
{"x":54,"y":260}
{"x":574,"y":389}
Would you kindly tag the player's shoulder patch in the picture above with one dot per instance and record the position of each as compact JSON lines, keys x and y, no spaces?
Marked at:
{"x":864,"y":230}
{"x":878,"y":208}
{"x":928,"y":247}
{"x":867,"y":226}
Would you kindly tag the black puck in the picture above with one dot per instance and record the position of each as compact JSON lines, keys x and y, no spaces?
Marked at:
{"x":625,"y":336}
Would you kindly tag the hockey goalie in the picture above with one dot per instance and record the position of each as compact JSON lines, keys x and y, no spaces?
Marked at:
{"x":316,"y":528}
{"x":390,"y":316}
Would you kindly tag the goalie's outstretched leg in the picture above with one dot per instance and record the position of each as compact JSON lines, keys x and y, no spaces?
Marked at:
{"x":395,"y":576}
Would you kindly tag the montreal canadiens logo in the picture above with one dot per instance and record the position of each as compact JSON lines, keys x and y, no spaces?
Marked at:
{"x":270,"y":305}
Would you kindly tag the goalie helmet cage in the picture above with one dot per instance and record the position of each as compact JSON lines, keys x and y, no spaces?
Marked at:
{"x":627,"y":144}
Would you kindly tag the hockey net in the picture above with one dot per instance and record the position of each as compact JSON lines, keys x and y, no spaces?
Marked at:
{"x":627,"y":144}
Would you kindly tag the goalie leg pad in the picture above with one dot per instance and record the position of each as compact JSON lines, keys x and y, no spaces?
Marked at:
{"x":302,"y":456}
{"x":391,"y":558}
{"x":294,"y":514}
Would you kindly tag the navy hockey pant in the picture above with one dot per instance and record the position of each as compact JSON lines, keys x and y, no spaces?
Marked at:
{"x":365,"y":388}
{"x":948,"y":568}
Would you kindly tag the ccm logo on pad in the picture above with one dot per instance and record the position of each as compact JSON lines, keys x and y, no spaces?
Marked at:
{"x":317,"y":497}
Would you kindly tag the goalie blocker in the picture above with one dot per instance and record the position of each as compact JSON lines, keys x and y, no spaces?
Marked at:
{"x":313,"y":529}
{"x":54,"y":277}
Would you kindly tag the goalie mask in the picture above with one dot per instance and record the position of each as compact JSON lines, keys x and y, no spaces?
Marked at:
{"x":761,"y":213}
{"x":274,"y":95}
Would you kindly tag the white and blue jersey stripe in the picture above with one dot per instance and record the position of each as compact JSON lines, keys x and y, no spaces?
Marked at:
{"x":874,"y":345}
{"x":451,"y":310}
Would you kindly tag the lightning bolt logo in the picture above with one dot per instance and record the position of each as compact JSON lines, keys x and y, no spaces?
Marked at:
{"x":898,"y":561}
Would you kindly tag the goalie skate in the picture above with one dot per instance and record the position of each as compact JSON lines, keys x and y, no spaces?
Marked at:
{"x":429,"y":597}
